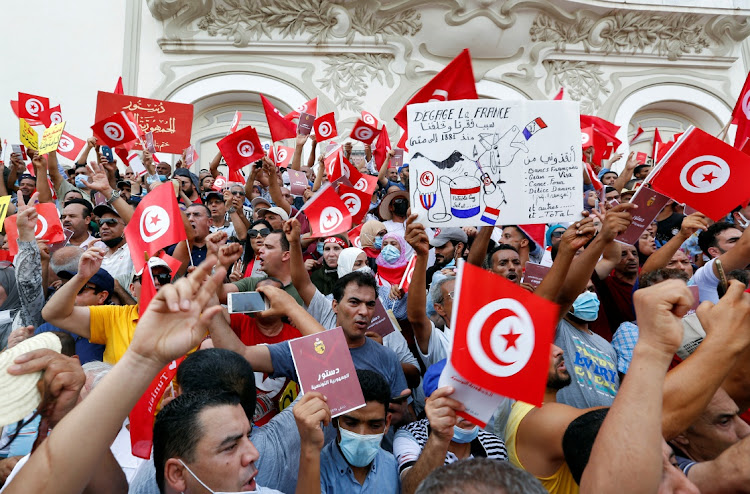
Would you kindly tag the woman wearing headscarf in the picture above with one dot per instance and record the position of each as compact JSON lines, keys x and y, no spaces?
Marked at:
{"x":371,"y":237}
{"x":351,"y":259}
{"x":392,"y":262}
{"x":325,"y":277}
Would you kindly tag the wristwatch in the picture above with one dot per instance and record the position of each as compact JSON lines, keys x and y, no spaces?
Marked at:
{"x":115,"y":195}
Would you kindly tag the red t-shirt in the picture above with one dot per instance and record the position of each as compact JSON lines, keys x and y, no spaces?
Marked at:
{"x":270,"y":391}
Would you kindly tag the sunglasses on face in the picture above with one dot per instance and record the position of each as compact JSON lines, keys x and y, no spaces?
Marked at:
{"x":238,"y":192}
{"x":263,"y":232}
{"x":161,"y":279}
{"x":558,"y":233}
{"x":86,"y":287}
{"x":108,"y":221}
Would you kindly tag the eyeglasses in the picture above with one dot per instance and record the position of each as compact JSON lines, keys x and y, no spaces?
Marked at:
{"x":108,"y":221}
{"x":450,"y":295}
{"x":238,"y":192}
{"x":161,"y":278}
{"x":263,"y":232}
{"x":86,"y":287}
{"x":558,"y":233}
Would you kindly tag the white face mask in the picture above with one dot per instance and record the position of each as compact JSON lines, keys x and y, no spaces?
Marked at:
{"x":744,"y":222}
{"x":211,"y":490}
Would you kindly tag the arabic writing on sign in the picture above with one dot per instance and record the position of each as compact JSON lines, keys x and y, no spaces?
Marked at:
{"x":328,"y":382}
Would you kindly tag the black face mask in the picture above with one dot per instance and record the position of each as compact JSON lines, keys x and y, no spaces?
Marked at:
{"x":112,"y":242}
{"x":400,"y":206}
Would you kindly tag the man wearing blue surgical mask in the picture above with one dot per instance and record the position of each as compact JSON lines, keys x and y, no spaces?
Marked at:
{"x":589,"y":358}
{"x":442,"y":438}
{"x":354,"y":462}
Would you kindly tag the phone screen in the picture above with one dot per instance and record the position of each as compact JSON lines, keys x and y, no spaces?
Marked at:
{"x":244,"y":302}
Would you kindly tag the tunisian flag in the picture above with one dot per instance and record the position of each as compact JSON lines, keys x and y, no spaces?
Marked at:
{"x":502,"y":335}
{"x":381,"y":148}
{"x":31,"y":106}
{"x":48,"y":227}
{"x":70,"y":146}
{"x":241,"y":148}
{"x":357,"y":201}
{"x":311,"y":107}
{"x":142,"y":414}
{"x":327,"y":213}
{"x":325,"y":127}
{"x":741,"y":115}
{"x":114,"y":130}
{"x":705,"y":173}
{"x":364,"y":132}
{"x":51,"y":116}
{"x":279,"y":127}
{"x":455,"y":81}
{"x":156,"y":223}
{"x":282,"y":156}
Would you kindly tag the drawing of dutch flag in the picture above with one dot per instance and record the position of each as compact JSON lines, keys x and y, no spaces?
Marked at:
{"x":533,"y":127}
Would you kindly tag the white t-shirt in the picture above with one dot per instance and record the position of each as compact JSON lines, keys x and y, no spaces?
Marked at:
{"x":707,"y":282}
{"x":439,"y":346}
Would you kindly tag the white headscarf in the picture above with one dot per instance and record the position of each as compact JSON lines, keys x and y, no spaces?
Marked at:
{"x":347,"y":258}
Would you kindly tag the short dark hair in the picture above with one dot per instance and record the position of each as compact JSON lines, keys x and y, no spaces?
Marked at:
{"x":260,"y":222}
{"x":498,"y":248}
{"x":579,"y":438}
{"x":638,"y":169}
{"x":741,"y":275}
{"x":177,"y":428}
{"x":480,"y":476}
{"x":653,"y":277}
{"x":197,"y":204}
{"x":87,"y":207}
{"x":221,"y":370}
{"x":283,"y":242}
{"x":358,"y":277}
{"x":707,"y":238}
{"x":374,"y":387}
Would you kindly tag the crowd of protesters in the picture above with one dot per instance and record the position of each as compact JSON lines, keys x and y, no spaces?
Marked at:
{"x":643,"y":394}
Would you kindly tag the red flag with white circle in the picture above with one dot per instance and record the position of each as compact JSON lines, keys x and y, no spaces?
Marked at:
{"x":354,"y":234}
{"x":705,"y":173}
{"x":51,"y":116}
{"x":370,"y":119}
{"x":282,"y":156}
{"x":241,"y":148}
{"x":31,"y":106}
{"x":156,"y":223}
{"x":502,"y":334}
{"x":279,"y":127}
{"x":70,"y":146}
{"x":48,"y":227}
{"x":310,"y":107}
{"x":364,"y":132}
{"x":114,"y":130}
{"x":235,"y":122}
{"x":408,"y":273}
{"x":325,"y":127}
{"x":327,"y":213}
{"x":356,"y":201}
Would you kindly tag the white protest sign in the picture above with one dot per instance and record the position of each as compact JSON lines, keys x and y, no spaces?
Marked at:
{"x":487,"y":162}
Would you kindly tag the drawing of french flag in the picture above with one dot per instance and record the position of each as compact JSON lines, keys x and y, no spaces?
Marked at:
{"x":490,"y":215}
{"x":533,"y":127}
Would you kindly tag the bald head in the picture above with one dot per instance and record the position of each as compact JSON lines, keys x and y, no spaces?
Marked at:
{"x":66,"y":259}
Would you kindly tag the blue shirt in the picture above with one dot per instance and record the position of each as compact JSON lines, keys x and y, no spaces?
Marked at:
{"x":337,"y":476}
{"x":624,"y":342}
{"x":86,"y":351}
{"x":370,"y":356}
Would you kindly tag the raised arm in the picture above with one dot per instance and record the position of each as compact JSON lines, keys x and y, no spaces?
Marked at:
{"x":311,"y":156}
{"x":213,"y":166}
{"x":171,"y":326}
{"x":42,"y":185}
{"x":99,"y":181}
{"x":662,"y":256}
{"x":478,"y":250}
{"x":627,"y":172}
{"x":575,"y":237}
{"x":28,"y":265}
{"x":416,"y":302}
{"x":299,"y":145}
{"x":615,"y":221}
{"x":690,"y":386}
{"x":319,"y":176}
{"x":61,"y":310}
{"x":311,"y":414}
{"x":300,"y":276}
{"x":631,"y":432}
{"x":273,"y":186}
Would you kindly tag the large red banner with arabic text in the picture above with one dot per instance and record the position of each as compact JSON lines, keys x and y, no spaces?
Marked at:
{"x":170,"y":122}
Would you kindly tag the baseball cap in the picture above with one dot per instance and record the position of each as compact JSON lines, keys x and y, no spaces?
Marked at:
{"x":449,"y":234}
{"x":155,"y":262}
{"x":103,"y":209}
{"x":259,"y":200}
{"x":274,"y":210}
{"x":432,"y":377}
{"x":208,"y":195}
{"x":405,"y":165}
{"x":20,"y":393}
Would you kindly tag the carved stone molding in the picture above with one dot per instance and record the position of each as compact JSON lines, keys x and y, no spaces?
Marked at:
{"x":585,"y":82}
{"x":346,"y":77}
